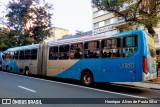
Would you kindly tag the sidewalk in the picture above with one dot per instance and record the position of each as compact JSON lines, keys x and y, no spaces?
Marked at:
{"x":154,"y":84}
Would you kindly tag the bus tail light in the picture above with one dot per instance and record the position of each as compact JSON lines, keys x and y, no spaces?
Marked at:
{"x":145,"y":65}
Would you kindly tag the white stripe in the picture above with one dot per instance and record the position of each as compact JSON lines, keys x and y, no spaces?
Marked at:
{"x":80,"y":86}
{"x":27,"y":89}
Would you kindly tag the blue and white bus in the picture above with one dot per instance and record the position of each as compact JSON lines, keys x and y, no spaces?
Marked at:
{"x":124,"y":57}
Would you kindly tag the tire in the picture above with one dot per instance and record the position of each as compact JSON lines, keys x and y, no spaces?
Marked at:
{"x":87,"y":78}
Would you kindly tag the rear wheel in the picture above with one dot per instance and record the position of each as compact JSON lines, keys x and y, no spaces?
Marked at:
{"x":87,"y":78}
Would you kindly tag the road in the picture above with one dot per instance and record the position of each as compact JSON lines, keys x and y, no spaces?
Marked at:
{"x":18,"y":86}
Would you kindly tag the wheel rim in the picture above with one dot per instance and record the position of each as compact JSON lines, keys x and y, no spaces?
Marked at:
{"x":27,"y":72}
{"x":87,"y":78}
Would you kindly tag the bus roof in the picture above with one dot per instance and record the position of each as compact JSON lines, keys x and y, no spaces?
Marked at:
{"x":34,"y":46}
{"x":90,"y":38}
{"x":74,"y":40}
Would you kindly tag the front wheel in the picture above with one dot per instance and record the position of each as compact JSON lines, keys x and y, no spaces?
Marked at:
{"x":87,"y":78}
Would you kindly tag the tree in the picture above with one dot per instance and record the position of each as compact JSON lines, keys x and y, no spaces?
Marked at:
{"x":135,"y":12}
{"x":3,"y":38}
{"x":16,"y":14}
{"x":24,"y":16}
{"x":6,"y":38}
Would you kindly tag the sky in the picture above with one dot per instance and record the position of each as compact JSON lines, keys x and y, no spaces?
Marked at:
{"x":70,"y":14}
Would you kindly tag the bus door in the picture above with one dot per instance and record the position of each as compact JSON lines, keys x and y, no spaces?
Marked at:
{"x":42,"y":59}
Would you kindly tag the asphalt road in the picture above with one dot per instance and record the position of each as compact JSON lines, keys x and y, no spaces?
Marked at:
{"x":18,"y":86}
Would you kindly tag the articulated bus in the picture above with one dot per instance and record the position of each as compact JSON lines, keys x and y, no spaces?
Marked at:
{"x":124,"y":57}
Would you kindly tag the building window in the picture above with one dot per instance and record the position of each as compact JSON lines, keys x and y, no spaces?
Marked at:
{"x":112,"y":20}
{"x":107,"y":21}
{"x":96,"y":25}
{"x":99,"y":13}
{"x":101,"y":23}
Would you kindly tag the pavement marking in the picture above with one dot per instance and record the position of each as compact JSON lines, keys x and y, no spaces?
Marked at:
{"x":27,"y":89}
{"x":80,"y":86}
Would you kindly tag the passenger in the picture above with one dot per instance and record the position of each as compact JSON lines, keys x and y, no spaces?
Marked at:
{"x":109,"y":54}
{"x":91,"y":55}
{"x":95,"y":55}
{"x":117,"y":53}
{"x":104,"y":54}
{"x":77,"y":54}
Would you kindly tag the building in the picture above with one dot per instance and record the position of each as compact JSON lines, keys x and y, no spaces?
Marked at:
{"x":103,"y":22}
{"x":106,"y":23}
{"x":56,"y":33}
{"x":78,"y":34}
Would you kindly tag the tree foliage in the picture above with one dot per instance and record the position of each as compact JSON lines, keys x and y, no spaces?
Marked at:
{"x":24,"y":17}
{"x":6,"y":38}
{"x":136,"y":12}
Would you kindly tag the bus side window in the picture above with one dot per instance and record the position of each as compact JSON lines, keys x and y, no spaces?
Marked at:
{"x":111,"y":48}
{"x":21,"y":56}
{"x":64,"y":52}
{"x":16,"y":54}
{"x":76,"y":51}
{"x":91,"y":49}
{"x":129,"y":46}
{"x":53,"y":53}
{"x":27,"y":54}
{"x":34,"y":54}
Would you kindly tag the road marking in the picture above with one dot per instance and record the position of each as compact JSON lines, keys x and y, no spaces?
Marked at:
{"x":27,"y":89}
{"x":80,"y":86}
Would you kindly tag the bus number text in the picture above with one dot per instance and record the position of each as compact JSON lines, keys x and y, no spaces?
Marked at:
{"x":127,"y":65}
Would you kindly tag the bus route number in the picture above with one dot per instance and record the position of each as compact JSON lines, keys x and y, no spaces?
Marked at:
{"x":127,"y":65}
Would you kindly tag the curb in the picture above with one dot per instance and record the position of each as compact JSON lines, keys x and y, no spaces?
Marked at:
{"x":140,"y":84}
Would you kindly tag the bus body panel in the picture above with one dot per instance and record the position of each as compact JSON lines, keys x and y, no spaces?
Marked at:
{"x":12,"y":66}
{"x":31,"y":64}
{"x":109,"y":73}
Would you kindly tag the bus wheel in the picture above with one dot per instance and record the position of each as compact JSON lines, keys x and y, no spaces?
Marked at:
{"x":27,"y":71}
{"x":87,"y":78}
